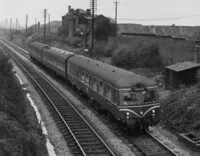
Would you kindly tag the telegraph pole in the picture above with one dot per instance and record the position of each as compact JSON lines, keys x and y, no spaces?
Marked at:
{"x":116,"y":3}
{"x":93,"y":6}
{"x":26,"y":26}
{"x":6,"y":25}
{"x":36,"y":25}
{"x":45,"y":16}
{"x":10,"y":36}
{"x":196,"y":54}
{"x":16,"y":23}
{"x":49,"y":24}
{"x":10,"y":24}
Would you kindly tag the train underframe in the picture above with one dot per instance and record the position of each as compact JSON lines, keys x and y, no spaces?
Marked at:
{"x":139,"y":124}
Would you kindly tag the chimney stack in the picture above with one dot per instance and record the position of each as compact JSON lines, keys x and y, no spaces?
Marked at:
{"x":69,"y":8}
{"x":88,"y":12}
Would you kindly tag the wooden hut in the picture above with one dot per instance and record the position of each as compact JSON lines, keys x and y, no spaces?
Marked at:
{"x":181,"y":73}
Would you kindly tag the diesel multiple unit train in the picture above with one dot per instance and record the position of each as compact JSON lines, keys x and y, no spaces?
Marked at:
{"x":130,"y":97}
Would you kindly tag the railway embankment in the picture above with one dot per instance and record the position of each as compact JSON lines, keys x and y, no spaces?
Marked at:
{"x":20,"y":132}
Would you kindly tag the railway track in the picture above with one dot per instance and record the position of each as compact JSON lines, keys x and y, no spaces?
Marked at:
{"x":79,"y":134}
{"x":150,"y":146}
{"x":145,"y":144}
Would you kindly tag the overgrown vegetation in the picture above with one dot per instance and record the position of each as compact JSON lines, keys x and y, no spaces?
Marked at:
{"x":142,"y":55}
{"x":70,"y":41}
{"x":105,"y":49}
{"x":181,"y":110}
{"x":20,"y":135}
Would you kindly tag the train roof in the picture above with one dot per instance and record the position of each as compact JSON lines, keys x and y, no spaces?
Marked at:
{"x":61,"y":50}
{"x":59,"y":53}
{"x":39,"y":45}
{"x":117,"y":77}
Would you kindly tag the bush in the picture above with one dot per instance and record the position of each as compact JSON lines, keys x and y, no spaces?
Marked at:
{"x":12,"y":101}
{"x":181,"y":110}
{"x":103,"y":48}
{"x":137,"y":56}
{"x":99,"y":49}
{"x":19,"y":134}
{"x":110,"y":47}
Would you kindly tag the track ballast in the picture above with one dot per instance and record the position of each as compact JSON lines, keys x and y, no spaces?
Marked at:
{"x":80,"y":136}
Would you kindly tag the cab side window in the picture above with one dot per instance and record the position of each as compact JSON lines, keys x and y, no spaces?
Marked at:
{"x":87,"y":79}
{"x":108,"y":95}
{"x":90,"y":81}
{"x":94,"y":86}
{"x":101,"y":87}
{"x":114,"y":95}
{"x":105,"y":90}
{"x":82,"y":77}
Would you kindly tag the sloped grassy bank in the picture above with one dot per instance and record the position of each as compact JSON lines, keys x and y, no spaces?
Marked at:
{"x":20,"y":133}
{"x":181,"y":110}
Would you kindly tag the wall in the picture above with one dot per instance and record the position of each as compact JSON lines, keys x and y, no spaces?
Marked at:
{"x":172,"y":50}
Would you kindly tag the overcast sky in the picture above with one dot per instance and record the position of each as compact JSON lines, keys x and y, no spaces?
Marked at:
{"x":146,"y":12}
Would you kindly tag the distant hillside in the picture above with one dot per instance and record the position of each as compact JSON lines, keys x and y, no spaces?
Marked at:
{"x":176,"y":31}
{"x":54,"y":25}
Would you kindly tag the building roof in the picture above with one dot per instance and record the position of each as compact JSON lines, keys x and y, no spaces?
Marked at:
{"x":81,"y":11}
{"x":183,"y":66}
{"x":117,"y":77}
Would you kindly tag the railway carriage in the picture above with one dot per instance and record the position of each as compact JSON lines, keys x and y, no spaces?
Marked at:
{"x":51,"y":57}
{"x":132,"y":98}
{"x":56,"y":60}
{"x":36,"y":50}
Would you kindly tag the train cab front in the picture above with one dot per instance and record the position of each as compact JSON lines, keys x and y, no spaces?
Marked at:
{"x":139,"y":106}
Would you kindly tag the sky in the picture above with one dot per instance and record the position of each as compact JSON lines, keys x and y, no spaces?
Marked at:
{"x":146,"y":12}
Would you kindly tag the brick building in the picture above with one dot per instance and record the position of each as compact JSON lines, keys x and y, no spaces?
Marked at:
{"x":79,"y":22}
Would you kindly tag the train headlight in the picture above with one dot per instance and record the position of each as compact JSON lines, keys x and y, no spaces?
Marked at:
{"x":153,"y":112}
{"x":141,"y":112}
{"x":125,"y":103}
{"x":127,"y":115}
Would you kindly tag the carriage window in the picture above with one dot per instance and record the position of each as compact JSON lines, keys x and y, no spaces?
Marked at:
{"x":108,"y":95}
{"x":90,"y":81}
{"x":101,"y":87}
{"x":105,"y":90}
{"x":87,"y":79}
{"x":83,"y":77}
{"x":94,"y":84}
{"x":114,"y":95}
{"x":63,"y":66}
{"x":75,"y":71}
{"x":79,"y":73}
{"x":70,"y":68}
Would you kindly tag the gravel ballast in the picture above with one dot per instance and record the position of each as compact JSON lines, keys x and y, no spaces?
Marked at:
{"x":54,"y":135}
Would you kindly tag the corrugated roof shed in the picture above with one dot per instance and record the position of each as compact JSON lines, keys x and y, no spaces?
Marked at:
{"x":183,"y":66}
